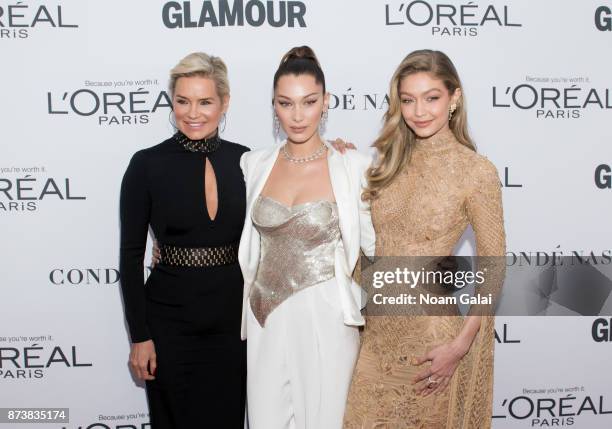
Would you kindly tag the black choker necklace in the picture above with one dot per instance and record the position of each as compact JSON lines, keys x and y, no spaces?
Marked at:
{"x":203,"y":145}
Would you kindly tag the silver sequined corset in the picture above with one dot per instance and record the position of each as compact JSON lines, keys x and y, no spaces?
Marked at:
{"x":297,"y":250}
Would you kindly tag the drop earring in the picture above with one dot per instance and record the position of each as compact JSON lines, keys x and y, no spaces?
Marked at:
{"x":451,"y":110}
{"x":276,"y":125}
{"x":323,"y":121}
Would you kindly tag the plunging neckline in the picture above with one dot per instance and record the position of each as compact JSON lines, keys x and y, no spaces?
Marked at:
{"x":210,"y":220}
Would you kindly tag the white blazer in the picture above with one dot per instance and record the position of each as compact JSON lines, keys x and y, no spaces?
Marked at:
{"x":347,"y":174}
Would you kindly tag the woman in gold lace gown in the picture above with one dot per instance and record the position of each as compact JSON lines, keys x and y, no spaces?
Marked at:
{"x":428,"y":184}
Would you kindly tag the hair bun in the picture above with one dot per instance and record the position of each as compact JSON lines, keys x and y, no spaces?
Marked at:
{"x":298,"y":61}
{"x":300,"y":53}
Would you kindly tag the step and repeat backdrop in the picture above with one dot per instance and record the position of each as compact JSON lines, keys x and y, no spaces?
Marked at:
{"x":84,"y":86}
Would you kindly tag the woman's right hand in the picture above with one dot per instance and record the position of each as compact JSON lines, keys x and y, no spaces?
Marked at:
{"x":156,"y":255}
{"x":143,"y":360}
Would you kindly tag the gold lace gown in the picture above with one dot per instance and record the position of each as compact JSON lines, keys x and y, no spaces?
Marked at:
{"x":424,"y":212}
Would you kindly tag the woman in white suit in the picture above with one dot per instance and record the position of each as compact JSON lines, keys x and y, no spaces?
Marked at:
{"x":304,"y":227}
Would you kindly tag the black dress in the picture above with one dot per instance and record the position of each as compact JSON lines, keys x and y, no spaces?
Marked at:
{"x":191,"y":314}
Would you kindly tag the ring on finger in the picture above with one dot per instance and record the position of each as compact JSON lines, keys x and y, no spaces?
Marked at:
{"x":431,"y":382}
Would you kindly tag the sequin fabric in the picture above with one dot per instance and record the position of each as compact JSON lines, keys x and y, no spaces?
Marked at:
{"x":297,"y":250}
{"x":424,"y":212}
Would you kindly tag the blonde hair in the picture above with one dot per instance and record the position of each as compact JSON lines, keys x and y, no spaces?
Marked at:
{"x":201,"y":64}
{"x":396,"y":140}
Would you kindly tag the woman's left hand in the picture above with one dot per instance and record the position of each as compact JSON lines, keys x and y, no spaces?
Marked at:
{"x":341,"y":145}
{"x":444,"y":361}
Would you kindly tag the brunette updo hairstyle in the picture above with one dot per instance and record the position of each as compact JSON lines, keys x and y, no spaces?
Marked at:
{"x":298,"y":61}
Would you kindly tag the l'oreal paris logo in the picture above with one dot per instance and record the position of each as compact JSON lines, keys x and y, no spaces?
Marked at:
{"x":19,"y":19}
{"x":449,"y":19}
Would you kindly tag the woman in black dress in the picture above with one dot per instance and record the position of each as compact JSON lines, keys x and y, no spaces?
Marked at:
{"x":185,"y":323}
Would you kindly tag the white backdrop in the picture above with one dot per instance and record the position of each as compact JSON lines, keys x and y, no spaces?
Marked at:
{"x":82,"y":89}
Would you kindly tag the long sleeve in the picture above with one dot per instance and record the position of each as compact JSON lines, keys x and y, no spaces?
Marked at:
{"x":485,"y":214}
{"x":135,"y":208}
{"x":484,"y":210}
{"x":367,"y":239}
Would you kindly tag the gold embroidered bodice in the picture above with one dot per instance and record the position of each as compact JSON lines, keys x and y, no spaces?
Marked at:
{"x":426,"y":209}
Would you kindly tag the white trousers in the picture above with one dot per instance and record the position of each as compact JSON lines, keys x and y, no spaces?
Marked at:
{"x":299,"y":365}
